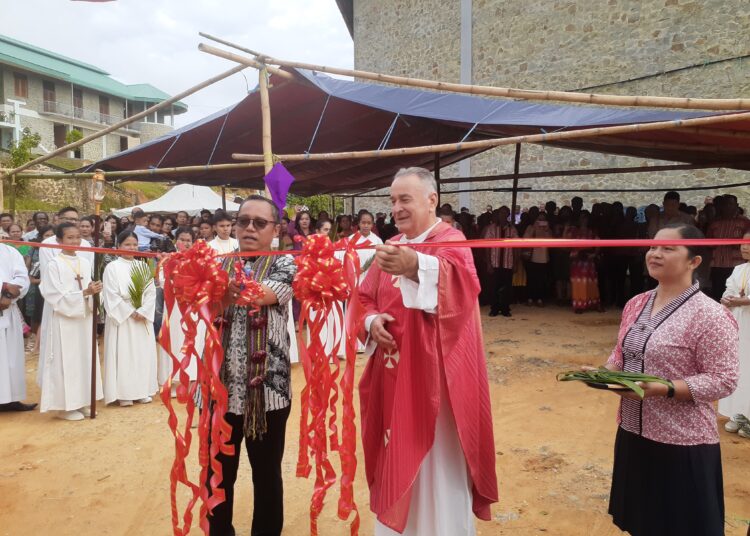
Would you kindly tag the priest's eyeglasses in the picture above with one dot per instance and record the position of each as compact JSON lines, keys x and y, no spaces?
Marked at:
{"x":258,"y":223}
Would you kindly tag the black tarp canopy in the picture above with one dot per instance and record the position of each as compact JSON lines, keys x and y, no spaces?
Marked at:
{"x":317,"y":113}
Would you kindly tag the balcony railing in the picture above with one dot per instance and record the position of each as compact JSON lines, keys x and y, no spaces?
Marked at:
{"x":62,"y":108}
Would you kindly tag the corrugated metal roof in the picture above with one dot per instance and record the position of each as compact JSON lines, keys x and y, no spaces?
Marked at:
{"x":28,"y":57}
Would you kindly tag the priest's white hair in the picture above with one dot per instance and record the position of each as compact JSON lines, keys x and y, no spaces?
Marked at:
{"x":424,"y":175}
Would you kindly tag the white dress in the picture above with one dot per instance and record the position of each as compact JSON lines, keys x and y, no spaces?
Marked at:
{"x":129,"y":344}
{"x":66,"y":377}
{"x":45,"y":256}
{"x":441,"y":503}
{"x":224,"y":246}
{"x":177,"y":339}
{"x":12,"y":365}
{"x":739,"y":401}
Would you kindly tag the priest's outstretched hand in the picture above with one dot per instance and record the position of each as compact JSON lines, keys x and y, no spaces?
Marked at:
{"x":397,"y":260}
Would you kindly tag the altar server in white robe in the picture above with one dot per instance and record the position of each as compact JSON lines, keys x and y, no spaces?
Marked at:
{"x":223,"y":243}
{"x":64,"y":215}
{"x":68,"y":289}
{"x":737,"y":298}
{"x":14,"y":283}
{"x":366,"y":223}
{"x":184,"y":238}
{"x":129,"y":344}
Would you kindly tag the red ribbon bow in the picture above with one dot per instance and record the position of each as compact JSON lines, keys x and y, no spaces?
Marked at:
{"x":321,"y":284}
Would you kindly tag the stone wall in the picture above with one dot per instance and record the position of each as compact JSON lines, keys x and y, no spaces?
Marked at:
{"x":605,"y":46}
{"x":73,"y":192}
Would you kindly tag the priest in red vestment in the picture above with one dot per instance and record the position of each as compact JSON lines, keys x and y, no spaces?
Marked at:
{"x":425,"y":405}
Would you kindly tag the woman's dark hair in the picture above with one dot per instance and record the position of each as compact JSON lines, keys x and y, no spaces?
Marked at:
{"x":40,"y":232}
{"x":299,"y":216}
{"x":689,"y":232}
{"x":184,"y":230}
{"x":319,"y":224}
{"x":365,"y":212}
{"x":124,"y":235}
{"x":90,"y":219}
{"x":60,"y":230}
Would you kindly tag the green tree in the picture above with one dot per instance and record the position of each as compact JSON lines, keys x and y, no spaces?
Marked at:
{"x":73,"y":136}
{"x":20,"y":152}
{"x":315,"y":203}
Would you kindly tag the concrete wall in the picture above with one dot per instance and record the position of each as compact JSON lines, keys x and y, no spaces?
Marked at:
{"x":614,"y":46}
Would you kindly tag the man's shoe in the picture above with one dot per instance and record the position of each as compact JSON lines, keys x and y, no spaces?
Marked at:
{"x":493,"y":313}
{"x":506,"y":314}
{"x":145,"y":400}
{"x":125,"y":403}
{"x":17,"y":406}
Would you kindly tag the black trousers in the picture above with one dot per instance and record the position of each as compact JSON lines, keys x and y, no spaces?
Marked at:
{"x":536,"y":280}
{"x":268,"y":488}
{"x":719,"y":278}
{"x":502,"y":290}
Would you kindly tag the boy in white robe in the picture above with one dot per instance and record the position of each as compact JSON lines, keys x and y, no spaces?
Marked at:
{"x":129,"y":344}
{"x":223,"y":243}
{"x":14,"y":283}
{"x":64,"y":215}
{"x":67,"y":289}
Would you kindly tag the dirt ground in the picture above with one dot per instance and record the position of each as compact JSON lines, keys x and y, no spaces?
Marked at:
{"x":109,"y":476}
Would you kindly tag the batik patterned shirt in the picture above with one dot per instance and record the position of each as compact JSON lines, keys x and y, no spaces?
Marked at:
{"x":277,"y":384}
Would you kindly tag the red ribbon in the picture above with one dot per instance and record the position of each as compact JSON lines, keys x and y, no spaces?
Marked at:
{"x":195,"y":281}
{"x":321,"y":284}
{"x":474,"y":244}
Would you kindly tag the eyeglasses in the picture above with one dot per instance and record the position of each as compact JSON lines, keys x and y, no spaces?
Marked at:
{"x":258,"y":223}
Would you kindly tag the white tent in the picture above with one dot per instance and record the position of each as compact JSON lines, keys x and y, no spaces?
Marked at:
{"x":186,"y":197}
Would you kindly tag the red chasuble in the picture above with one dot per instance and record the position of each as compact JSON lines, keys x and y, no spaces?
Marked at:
{"x":400,"y":390}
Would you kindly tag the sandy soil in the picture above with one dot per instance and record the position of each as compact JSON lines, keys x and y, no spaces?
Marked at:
{"x":109,"y":476}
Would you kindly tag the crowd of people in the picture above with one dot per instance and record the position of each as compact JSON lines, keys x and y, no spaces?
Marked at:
{"x":47,"y":295}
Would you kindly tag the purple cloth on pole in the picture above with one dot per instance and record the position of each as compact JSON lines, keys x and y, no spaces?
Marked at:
{"x":278,"y":181}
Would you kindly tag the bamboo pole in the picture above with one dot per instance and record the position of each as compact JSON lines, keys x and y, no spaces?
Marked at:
{"x":496,"y":142}
{"x":146,"y":172}
{"x":514,"y":194}
{"x":249,"y":62}
{"x":265,"y":112}
{"x":514,"y":93}
{"x":126,"y":121}
{"x":579,"y":172}
{"x":436,"y":172}
{"x":12,"y":200}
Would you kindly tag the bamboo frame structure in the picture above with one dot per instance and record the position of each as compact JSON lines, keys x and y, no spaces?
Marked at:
{"x":126,"y":121}
{"x":579,"y":172}
{"x":265,"y":110}
{"x":149,"y":172}
{"x":511,"y":140}
{"x":490,"y":91}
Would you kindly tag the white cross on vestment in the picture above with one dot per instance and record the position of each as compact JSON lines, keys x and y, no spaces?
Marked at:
{"x":391,"y":359}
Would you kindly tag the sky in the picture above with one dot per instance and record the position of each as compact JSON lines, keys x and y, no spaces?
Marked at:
{"x":156,"y":41}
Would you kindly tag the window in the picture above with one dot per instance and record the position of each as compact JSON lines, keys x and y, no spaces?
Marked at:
{"x":21,"y":84}
{"x":50,"y":101}
{"x":77,"y":103}
{"x":103,"y":109}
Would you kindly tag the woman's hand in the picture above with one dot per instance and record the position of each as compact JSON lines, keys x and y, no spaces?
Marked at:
{"x":138,"y":316}
{"x":650,"y":389}
{"x":735,"y":301}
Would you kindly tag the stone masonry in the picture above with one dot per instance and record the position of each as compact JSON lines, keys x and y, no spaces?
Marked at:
{"x":675,"y":48}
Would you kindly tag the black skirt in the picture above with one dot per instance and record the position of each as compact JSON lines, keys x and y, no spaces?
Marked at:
{"x":666,"y":490}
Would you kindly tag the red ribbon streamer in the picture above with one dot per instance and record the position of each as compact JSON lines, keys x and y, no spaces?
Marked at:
{"x":321,"y":284}
{"x":195,"y":281}
{"x":477,"y":243}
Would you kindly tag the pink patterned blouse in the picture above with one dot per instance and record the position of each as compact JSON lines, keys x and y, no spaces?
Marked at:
{"x":693,"y":339}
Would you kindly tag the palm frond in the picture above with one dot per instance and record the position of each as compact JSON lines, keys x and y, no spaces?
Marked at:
{"x":141,"y":277}
{"x":367,"y":264}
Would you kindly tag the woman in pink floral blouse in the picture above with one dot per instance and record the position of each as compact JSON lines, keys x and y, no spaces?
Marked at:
{"x":667,"y":476}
